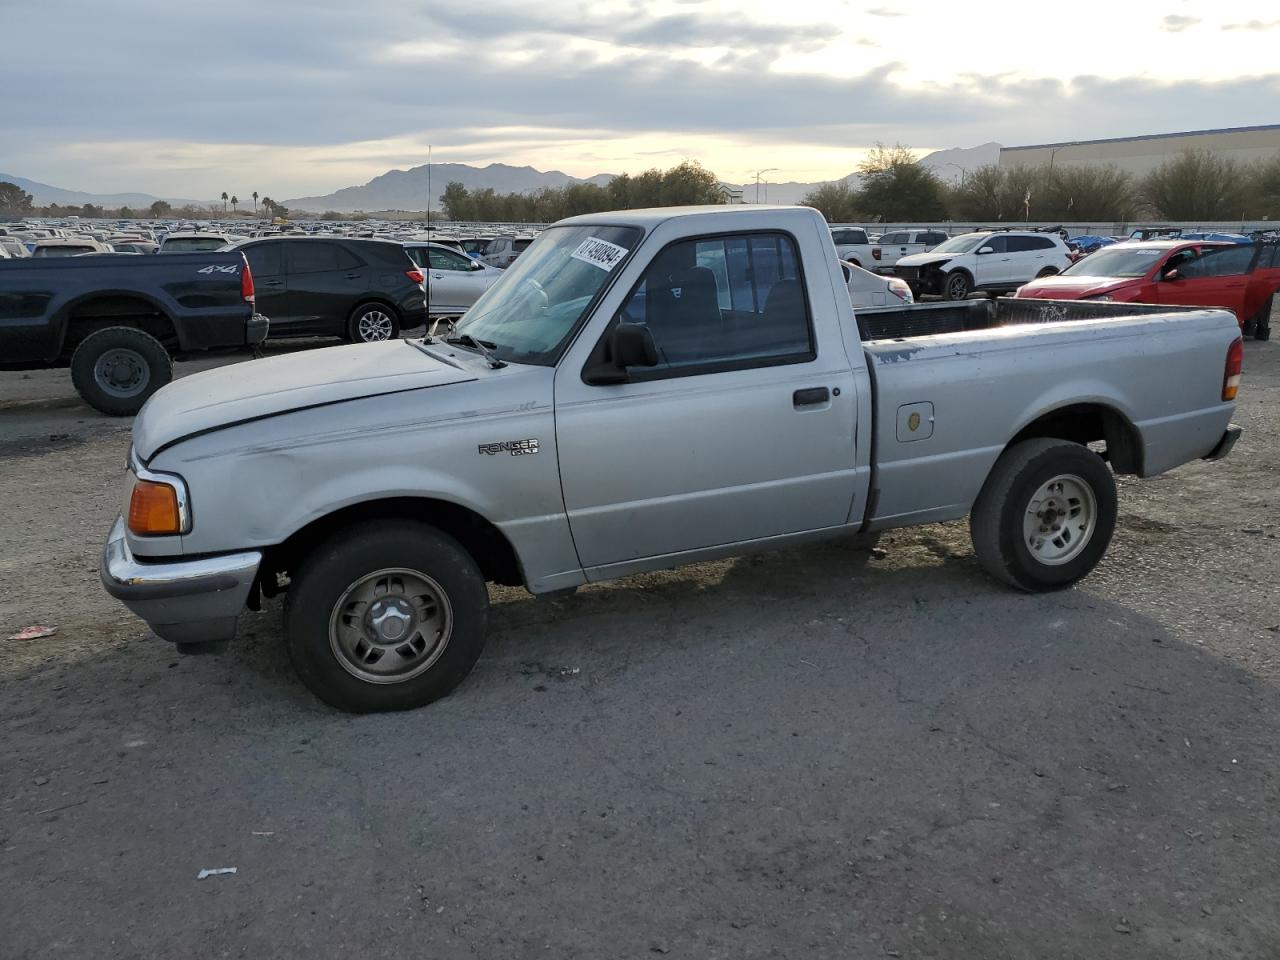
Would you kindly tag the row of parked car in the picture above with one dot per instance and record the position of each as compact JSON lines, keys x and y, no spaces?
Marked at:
{"x":1152,"y":265}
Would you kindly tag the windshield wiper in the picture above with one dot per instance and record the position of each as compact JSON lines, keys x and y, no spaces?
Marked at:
{"x":483,"y":346}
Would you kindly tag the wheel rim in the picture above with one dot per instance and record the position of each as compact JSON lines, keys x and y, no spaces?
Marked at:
{"x":1060,"y":520}
{"x":121,"y":372}
{"x":957,"y":287}
{"x":374,"y":325}
{"x":390,"y":625}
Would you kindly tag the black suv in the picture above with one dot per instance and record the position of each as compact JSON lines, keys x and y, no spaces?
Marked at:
{"x":361,"y":290}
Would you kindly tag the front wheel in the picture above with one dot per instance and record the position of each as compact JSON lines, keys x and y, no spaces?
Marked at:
{"x":117,"y":369}
{"x":386,"y":616}
{"x":1045,"y":515}
{"x":1047,"y":272}
{"x":957,"y":286}
{"x":373,"y":322}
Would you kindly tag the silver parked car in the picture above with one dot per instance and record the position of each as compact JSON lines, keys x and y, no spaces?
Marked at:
{"x":454,"y":281}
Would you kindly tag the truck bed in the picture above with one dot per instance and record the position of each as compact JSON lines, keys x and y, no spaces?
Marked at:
{"x":930,"y":319}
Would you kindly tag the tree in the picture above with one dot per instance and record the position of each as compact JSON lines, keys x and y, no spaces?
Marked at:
{"x":838,"y":202}
{"x":234,"y":201}
{"x":1265,"y":189}
{"x":1086,"y":193}
{"x":332,"y":215}
{"x":14,"y":201}
{"x":90,"y":210}
{"x":689,"y":183}
{"x":160,"y":209}
{"x":1198,"y":185}
{"x":981,"y":195}
{"x":125,"y":213}
{"x":224,"y":201}
{"x":896,"y":188}
{"x":454,"y":200}
{"x":255,"y":203}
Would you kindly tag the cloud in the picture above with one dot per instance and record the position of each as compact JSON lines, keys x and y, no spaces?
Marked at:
{"x":885,"y":12}
{"x":1253,"y":25}
{"x":1176,"y":23}
{"x":320,"y":95}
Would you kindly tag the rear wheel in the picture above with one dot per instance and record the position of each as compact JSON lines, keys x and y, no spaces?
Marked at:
{"x":957,"y":285}
{"x":117,"y":369}
{"x":372,"y":322}
{"x":386,"y":616}
{"x":1045,"y":515}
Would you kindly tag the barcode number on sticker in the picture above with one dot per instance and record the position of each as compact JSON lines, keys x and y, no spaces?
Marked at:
{"x":599,"y":253}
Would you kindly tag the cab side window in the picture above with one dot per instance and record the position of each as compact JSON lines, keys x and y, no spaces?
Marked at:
{"x":446,"y":260}
{"x":723,"y":303}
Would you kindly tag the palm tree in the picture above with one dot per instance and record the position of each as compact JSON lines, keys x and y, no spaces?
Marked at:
{"x":255,"y":203}
{"x":224,"y":201}
{"x":267,"y":204}
{"x":234,"y":201}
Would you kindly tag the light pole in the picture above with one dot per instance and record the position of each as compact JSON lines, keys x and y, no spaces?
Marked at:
{"x":759,"y":174}
{"x":961,"y":169}
{"x":428,"y":193}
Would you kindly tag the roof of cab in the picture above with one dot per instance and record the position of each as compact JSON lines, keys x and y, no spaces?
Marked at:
{"x":652,"y":216}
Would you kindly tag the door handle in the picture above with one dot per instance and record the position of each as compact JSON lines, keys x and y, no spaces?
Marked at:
{"x":352,"y":276}
{"x":805,"y":398}
{"x":437,"y":276}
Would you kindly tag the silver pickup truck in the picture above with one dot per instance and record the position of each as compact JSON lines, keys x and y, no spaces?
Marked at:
{"x":640,"y":390}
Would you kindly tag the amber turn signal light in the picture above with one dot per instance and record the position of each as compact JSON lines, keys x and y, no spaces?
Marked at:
{"x":153,"y":509}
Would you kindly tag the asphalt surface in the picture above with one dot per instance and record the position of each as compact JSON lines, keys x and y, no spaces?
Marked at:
{"x":812,"y":753}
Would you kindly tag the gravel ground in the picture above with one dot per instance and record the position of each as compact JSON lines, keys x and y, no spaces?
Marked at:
{"x":811,"y":753}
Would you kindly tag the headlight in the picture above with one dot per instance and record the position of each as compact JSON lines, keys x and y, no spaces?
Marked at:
{"x":158,"y":504}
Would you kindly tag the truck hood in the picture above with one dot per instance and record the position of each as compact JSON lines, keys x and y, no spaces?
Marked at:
{"x":254,"y":389}
{"x":1074,"y":288}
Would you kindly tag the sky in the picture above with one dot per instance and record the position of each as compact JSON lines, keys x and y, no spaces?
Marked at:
{"x":184,"y":98}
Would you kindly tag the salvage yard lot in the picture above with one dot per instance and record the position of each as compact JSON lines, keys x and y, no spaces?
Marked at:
{"x":808,"y":753}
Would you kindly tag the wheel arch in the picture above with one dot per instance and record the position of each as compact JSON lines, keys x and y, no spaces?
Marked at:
{"x":99,"y":309}
{"x":488,"y":546}
{"x":1089,"y":422}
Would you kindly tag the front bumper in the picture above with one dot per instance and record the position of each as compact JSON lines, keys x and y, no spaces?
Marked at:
{"x":184,"y":601}
{"x":1229,"y":438}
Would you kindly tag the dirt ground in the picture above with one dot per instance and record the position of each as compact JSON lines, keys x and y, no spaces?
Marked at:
{"x":813,"y":753}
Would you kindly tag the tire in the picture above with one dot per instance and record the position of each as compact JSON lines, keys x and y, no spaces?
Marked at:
{"x":1003,"y":527}
{"x":957,"y":285}
{"x":117,"y":369}
{"x":1047,"y":272}
{"x":435,"y":624}
{"x":372,"y":323}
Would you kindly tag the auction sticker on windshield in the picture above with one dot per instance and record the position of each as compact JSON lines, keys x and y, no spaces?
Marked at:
{"x":599,"y":253}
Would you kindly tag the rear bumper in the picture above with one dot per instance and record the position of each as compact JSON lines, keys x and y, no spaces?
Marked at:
{"x":255,"y":330}
{"x":1229,"y":438}
{"x":184,"y":601}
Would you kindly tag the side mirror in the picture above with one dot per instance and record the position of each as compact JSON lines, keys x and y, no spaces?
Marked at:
{"x":628,"y":345}
{"x":985,"y":250}
{"x":476,"y":265}
{"x":631,"y":345}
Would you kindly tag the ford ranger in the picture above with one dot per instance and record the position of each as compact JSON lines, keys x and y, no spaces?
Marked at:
{"x":641,"y":389}
{"x":117,"y":321}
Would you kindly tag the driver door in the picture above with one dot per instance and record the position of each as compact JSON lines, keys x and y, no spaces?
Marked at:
{"x":1217,"y":278}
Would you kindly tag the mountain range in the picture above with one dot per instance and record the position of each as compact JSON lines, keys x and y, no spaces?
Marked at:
{"x":42,"y":194}
{"x":408,"y":190}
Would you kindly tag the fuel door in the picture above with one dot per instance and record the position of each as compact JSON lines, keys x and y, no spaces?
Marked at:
{"x":915,"y":422}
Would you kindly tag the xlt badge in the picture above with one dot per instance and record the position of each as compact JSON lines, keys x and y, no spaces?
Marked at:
{"x":518,"y":448}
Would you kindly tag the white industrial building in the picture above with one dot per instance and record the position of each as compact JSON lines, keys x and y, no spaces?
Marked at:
{"x":1140,"y":155}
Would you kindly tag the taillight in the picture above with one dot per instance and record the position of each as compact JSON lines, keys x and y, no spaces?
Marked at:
{"x":875,"y":253}
{"x":414,"y":275}
{"x":1235,"y":366}
{"x":900,"y":289}
{"x":246,"y":283}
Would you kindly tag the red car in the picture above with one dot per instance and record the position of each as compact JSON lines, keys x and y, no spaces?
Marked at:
{"x":1196,"y":273}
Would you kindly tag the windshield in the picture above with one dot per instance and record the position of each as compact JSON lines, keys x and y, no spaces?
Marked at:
{"x":1116,"y":262}
{"x":530,"y":312}
{"x":961,"y":244}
